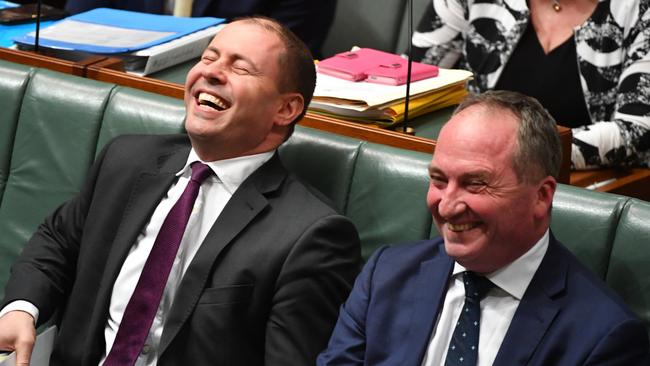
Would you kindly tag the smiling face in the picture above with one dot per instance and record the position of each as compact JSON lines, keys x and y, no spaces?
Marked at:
{"x":233,"y":102}
{"x":487,"y":217}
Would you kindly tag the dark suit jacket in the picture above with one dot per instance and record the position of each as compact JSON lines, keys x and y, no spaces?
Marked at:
{"x":566,"y":317}
{"x":309,"y":19}
{"x":263,"y":289}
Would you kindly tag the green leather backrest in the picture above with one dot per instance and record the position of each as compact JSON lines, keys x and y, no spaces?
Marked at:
{"x":585,"y":221}
{"x":13,"y":81}
{"x":629,"y":271}
{"x":381,"y":189}
{"x":387,"y":196}
{"x":324,"y":160}
{"x":131,"y":111}
{"x":53,"y":148}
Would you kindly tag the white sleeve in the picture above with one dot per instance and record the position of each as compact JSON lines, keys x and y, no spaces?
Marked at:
{"x":21,"y":305}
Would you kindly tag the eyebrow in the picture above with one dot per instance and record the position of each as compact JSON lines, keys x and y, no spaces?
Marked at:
{"x":483,"y":175}
{"x":480,"y":174}
{"x":236,"y":56}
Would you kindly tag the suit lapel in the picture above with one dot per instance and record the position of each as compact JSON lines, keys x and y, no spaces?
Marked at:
{"x":429,"y":295}
{"x":245,"y":204}
{"x":536,"y":311}
{"x":147,"y":192}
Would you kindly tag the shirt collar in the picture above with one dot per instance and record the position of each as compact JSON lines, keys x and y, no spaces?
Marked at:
{"x":515,"y":277}
{"x":231,"y":172}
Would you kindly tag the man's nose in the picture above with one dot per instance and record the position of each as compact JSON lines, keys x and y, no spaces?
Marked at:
{"x":215,"y":71}
{"x":451,"y":203}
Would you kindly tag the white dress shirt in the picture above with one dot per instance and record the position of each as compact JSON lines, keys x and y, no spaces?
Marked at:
{"x":497,"y":308}
{"x":213,"y":196}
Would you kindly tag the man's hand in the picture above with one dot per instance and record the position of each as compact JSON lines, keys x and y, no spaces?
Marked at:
{"x":17,"y":333}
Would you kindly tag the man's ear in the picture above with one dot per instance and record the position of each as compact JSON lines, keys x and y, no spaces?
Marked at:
{"x":545,"y":193}
{"x":290,"y":107}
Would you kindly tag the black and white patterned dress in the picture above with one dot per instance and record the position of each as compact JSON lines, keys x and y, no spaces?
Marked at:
{"x":613,"y":58}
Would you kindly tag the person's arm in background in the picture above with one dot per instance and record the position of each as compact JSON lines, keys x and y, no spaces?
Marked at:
{"x":624,"y":140}
{"x":438,"y":39}
{"x":149,"y":6}
{"x":309,"y":20}
{"x":78,"y":6}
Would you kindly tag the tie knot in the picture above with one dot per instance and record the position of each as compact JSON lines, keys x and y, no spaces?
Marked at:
{"x":476,"y":286}
{"x":200,"y":172}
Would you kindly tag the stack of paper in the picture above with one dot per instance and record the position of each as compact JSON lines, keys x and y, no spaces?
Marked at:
{"x":383,"y":105}
{"x":146,"y":42}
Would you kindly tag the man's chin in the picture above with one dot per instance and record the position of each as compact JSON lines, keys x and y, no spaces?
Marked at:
{"x":459,"y":249}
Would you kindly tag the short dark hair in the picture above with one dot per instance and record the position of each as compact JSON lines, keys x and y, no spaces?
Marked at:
{"x":538,"y":152}
{"x":297,"y":70}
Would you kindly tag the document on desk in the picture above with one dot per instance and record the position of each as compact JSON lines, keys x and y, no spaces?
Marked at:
{"x":99,"y":35}
{"x":41,"y":352}
{"x":112,"y":31}
{"x":145,"y":42}
{"x":168,"y":54}
{"x":367,"y":95}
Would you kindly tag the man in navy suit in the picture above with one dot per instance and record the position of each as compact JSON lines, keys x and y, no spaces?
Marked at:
{"x":492,"y":181}
{"x":310,"y":20}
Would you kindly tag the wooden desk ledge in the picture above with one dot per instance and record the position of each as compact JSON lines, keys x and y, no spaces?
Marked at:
{"x":632,"y":182}
{"x":47,"y":62}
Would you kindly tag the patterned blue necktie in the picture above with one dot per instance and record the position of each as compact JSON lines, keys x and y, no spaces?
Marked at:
{"x":463,"y":348}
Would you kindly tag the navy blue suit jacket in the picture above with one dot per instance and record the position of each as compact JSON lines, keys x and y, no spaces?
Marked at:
{"x":309,"y":19}
{"x":566,"y":317}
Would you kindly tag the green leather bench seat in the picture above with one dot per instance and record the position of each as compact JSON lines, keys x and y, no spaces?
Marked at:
{"x":49,"y":152}
{"x":52,"y":126}
{"x":12,"y":89}
{"x":587,"y":221}
{"x":628,"y":271}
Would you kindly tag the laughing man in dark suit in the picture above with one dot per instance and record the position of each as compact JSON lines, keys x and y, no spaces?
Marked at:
{"x":263,"y":264}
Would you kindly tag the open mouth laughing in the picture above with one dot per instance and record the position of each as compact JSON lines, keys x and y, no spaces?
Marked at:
{"x":212,"y":101}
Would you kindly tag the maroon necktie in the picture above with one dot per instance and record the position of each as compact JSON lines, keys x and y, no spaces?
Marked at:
{"x":144,"y":302}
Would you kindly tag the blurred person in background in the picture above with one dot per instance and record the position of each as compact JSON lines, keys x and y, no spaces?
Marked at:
{"x":586,"y":61}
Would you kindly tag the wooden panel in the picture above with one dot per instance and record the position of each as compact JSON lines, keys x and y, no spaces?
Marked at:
{"x":633,"y":182}
{"x":105,"y":71}
{"x":368,"y":133}
{"x":47,"y":62}
{"x":566,"y":136}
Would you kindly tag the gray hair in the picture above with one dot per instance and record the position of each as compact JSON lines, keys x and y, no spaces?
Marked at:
{"x":538,"y":151}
